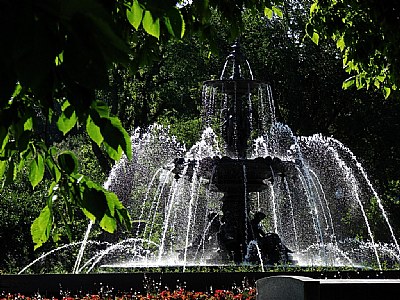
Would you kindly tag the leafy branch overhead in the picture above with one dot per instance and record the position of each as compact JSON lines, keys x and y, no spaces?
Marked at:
{"x":54,"y":57}
{"x":52,"y":83}
{"x":363,"y":32}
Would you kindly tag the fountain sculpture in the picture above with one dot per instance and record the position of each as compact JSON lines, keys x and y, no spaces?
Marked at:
{"x":203,"y":206}
{"x":229,"y":105}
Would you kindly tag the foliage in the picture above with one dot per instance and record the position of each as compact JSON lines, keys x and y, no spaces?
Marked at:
{"x":18,"y":209}
{"x":52,"y":83}
{"x":364,"y":32}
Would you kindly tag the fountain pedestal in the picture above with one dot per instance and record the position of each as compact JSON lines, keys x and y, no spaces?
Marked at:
{"x":234,"y":232}
{"x":236,"y":178}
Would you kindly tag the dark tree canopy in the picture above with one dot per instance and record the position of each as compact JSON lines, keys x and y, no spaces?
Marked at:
{"x":54,"y":56}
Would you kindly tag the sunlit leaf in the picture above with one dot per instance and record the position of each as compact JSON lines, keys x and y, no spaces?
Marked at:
{"x":59,"y":58}
{"x":387,"y":91}
{"x":277,"y":11}
{"x":135,"y":14}
{"x":94,"y":203}
{"x":348,"y":83}
{"x":112,"y":202}
{"x":67,"y":119}
{"x":151,"y":25}
{"x":124,"y":217}
{"x":315,"y":38}
{"x":103,"y":206}
{"x":3,"y":166}
{"x":313,"y":7}
{"x":107,"y":130}
{"x":340,"y":43}
{"x":94,"y":131}
{"x":108,"y":223}
{"x":101,"y":108}
{"x":268,"y":12}
{"x":18,"y":89}
{"x":36,"y":170}
{"x":41,"y":227}
{"x":28,"y":125}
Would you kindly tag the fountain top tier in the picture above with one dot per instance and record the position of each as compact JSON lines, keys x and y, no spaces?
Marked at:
{"x":235,"y":104}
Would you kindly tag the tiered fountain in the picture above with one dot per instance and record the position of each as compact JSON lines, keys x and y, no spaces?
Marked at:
{"x":230,"y":104}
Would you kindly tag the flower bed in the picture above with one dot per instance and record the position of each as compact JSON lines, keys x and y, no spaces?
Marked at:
{"x":241,"y":294}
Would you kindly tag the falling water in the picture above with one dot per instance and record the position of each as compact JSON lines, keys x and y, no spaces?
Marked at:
{"x":82,"y":248}
{"x":378,"y":199}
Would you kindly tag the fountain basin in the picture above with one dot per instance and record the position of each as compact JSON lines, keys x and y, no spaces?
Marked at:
{"x":252,"y":175}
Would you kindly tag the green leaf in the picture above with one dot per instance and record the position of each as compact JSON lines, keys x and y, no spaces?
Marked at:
{"x":53,"y":169}
{"x":59,"y":58}
{"x":112,"y":202}
{"x":313,"y":7}
{"x":116,"y":139}
{"x":3,"y":165}
{"x":94,"y":203}
{"x":108,"y":130}
{"x":268,"y":12}
{"x":348,"y":83}
{"x":36,"y":171}
{"x":340,"y":43}
{"x":277,"y":11}
{"x":151,"y":25}
{"x":135,"y":14}
{"x":387,"y":91}
{"x":41,"y":227}
{"x":315,"y":38}
{"x":68,"y":118}
{"x":17,"y":91}
{"x":124,"y":218}
{"x":102,"y":109}
{"x":102,"y":205}
{"x":28,"y":125}
{"x":94,"y":131}
{"x":108,"y":223}
{"x":312,"y":33}
{"x":175,"y":23}
{"x":68,"y":162}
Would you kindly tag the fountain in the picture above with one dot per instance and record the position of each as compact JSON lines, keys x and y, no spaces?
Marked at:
{"x":205,"y":205}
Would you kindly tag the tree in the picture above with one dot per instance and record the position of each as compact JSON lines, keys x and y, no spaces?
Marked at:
{"x":367,"y":36}
{"x":54,"y":56}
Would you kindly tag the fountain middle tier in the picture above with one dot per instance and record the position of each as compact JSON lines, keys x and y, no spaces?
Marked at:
{"x":225,"y":174}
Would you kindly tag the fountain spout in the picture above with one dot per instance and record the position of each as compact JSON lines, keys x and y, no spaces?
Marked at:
{"x":236,"y":87}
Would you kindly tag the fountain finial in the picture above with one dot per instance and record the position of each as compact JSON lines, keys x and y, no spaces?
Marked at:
{"x":236,"y":57}
{"x":233,"y":69}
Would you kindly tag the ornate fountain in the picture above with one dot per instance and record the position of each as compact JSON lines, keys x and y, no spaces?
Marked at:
{"x":235,"y":108}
